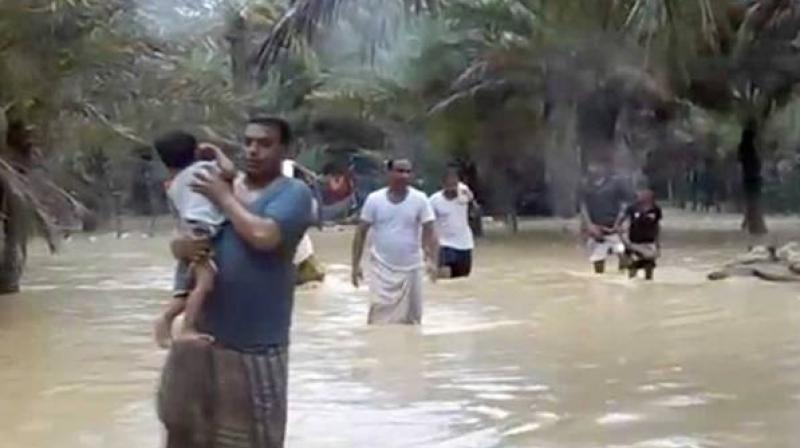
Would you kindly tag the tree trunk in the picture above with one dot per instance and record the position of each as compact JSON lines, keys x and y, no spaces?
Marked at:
{"x":12,"y":224}
{"x":752,"y":182}
{"x":237,"y":38}
{"x":563,"y":161}
{"x":14,"y":238}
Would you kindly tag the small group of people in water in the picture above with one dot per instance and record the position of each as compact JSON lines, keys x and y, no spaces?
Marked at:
{"x":240,"y":239}
{"x":614,"y":223}
{"x":241,"y":242}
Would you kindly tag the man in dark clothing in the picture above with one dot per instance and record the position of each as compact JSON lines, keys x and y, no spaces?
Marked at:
{"x":602,"y":200}
{"x":642,"y":242}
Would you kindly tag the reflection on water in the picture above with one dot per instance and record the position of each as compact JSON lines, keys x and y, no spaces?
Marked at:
{"x":530,"y":352}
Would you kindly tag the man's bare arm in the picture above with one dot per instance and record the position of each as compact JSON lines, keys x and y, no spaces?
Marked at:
{"x":622,"y":217}
{"x":260,"y":233}
{"x":226,"y":166}
{"x":586,"y":221}
{"x":358,"y":250}
{"x":185,"y":248}
{"x":430,"y":243}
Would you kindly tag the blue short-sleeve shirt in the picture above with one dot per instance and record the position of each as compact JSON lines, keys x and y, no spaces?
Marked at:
{"x":251,"y":305}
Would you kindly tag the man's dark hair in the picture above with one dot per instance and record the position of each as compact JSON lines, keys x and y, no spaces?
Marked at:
{"x":177,"y":149}
{"x":279,"y":123}
{"x":391,"y":162}
{"x":452,"y":170}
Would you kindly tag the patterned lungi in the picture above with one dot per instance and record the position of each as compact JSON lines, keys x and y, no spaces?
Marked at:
{"x":212,"y":397}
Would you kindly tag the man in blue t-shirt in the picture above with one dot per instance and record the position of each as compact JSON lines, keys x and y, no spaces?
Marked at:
{"x":235,"y":389}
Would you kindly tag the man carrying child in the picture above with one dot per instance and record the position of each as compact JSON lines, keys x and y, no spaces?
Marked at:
{"x":233,"y":392}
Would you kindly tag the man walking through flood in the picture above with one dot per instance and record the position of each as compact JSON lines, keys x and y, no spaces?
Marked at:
{"x":401,"y":223}
{"x":451,"y":207}
{"x":602,"y":200}
{"x":233,"y":394}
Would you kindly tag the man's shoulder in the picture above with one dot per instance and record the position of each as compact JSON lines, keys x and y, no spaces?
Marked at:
{"x":296,"y":189}
{"x":296,"y":185}
{"x":377,"y":194}
{"x":438,"y":196}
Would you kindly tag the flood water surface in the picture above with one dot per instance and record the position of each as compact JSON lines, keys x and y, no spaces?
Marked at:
{"x":532,"y":351}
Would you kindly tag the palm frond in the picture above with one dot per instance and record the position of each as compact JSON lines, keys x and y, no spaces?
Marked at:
{"x":302,"y":20}
{"x":306,"y":18}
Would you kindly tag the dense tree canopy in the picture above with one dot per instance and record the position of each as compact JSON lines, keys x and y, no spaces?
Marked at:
{"x":528,"y":90}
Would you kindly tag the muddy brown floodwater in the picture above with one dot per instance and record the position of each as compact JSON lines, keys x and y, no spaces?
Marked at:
{"x":532,"y":351}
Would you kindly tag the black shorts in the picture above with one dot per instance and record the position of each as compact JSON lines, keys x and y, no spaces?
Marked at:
{"x":459,"y":261}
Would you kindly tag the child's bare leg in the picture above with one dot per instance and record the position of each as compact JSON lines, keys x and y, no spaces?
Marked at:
{"x":163,"y":324}
{"x":203,"y":274}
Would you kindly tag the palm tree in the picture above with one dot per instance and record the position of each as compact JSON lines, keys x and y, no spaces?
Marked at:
{"x":50,"y":52}
{"x":735,"y":56}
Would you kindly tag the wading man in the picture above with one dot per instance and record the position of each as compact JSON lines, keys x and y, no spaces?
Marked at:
{"x":233,"y":393}
{"x":451,"y":207}
{"x":602,"y":199}
{"x":400,"y":220}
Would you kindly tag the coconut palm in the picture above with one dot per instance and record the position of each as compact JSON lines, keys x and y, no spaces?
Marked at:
{"x":737,"y":56}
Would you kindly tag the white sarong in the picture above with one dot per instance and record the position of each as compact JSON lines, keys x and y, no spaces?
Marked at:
{"x":396,"y":292}
{"x":305,"y":249}
{"x":600,"y":250}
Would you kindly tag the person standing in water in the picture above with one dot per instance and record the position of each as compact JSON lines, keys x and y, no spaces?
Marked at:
{"x":602,"y":199}
{"x":234,"y":392}
{"x":456,"y":242}
{"x":401,"y":222}
{"x":644,"y":231}
{"x":309,"y":269}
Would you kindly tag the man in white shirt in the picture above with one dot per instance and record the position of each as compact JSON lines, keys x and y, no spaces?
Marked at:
{"x":451,"y":206}
{"x":401,"y":221}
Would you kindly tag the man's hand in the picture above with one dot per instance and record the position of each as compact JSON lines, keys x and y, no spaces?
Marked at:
{"x":213,"y":186}
{"x":208,"y":151}
{"x":191,"y":248}
{"x":357,"y":276}
{"x":594,"y":231}
{"x":433,"y":271}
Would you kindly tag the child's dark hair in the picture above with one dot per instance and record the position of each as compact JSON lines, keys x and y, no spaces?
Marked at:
{"x":177,"y":149}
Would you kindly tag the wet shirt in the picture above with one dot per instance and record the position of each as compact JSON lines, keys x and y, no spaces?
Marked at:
{"x":604,"y":201}
{"x":397,"y":227}
{"x":645,"y":223}
{"x":251,"y":305}
{"x":452,"y":220}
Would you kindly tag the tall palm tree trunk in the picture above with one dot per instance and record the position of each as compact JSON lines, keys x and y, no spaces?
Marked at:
{"x":236,"y":34}
{"x":14,"y":238}
{"x":752,"y":181}
{"x":562,"y":158}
